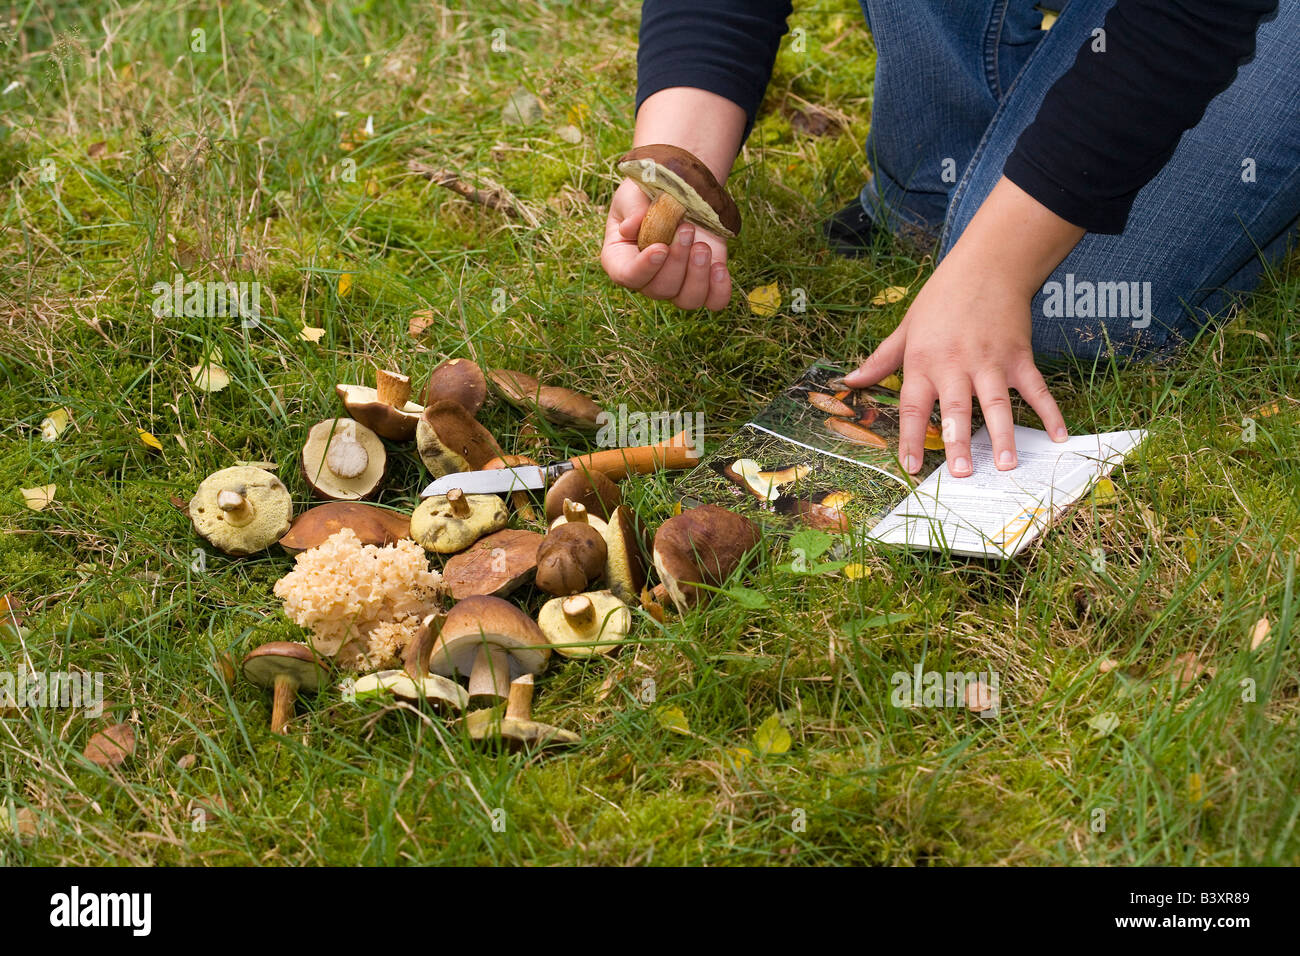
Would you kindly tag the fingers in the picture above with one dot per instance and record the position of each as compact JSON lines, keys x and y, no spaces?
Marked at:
{"x":668,"y":280}
{"x":695,"y":286}
{"x":886,"y":359}
{"x":995,"y":403}
{"x":719,"y":287}
{"x":915,"y":402}
{"x":954,"y":413}
{"x":1028,"y":381}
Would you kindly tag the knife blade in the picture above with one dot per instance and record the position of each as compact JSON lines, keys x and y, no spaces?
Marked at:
{"x":499,"y":481}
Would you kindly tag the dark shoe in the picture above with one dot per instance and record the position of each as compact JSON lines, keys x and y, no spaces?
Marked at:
{"x":850,"y":232}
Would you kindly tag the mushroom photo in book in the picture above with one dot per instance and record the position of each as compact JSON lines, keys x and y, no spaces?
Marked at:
{"x":823,"y":455}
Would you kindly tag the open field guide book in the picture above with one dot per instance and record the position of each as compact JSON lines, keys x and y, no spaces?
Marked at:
{"x":825,"y":456}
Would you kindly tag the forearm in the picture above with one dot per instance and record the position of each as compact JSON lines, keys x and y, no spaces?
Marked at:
{"x":703,"y":123}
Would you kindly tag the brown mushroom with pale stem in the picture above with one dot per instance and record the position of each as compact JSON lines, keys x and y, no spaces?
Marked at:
{"x":516,"y":728}
{"x":559,"y":406}
{"x":343,"y":460}
{"x":703,"y":545}
{"x":241,"y":510}
{"x":457,"y":380}
{"x":492,"y":642}
{"x":371,"y":524}
{"x":286,"y":669}
{"x":498,"y":564}
{"x":584,"y":625}
{"x":575,"y":512}
{"x":384,"y":409}
{"x":450,"y":440}
{"x":625,"y":572}
{"x":572,"y":555}
{"x":447,"y":524}
{"x":679,"y":186}
{"x":589,"y":488}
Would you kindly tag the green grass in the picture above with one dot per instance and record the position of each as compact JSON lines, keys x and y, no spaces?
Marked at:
{"x":227,"y":164}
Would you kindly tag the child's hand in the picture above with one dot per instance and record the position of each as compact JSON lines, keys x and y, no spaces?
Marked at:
{"x":692,"y":272}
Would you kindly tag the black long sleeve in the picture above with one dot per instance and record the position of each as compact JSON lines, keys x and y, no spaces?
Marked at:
{"x":1105,"y":129}
{"x":1113,"y":120}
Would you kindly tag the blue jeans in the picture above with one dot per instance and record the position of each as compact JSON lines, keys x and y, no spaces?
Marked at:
{"x":956,"y":83}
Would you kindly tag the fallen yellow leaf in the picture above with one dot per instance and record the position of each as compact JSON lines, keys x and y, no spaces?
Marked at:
{"x":1191,"y":545}
{"x":672,"y":718}
{"x":345,"y":283}
{"x":40,"y":497}
{"x":578,"y":113}
{"x":856,"y":571}
{"x":1196,"y":791}
{"x":891,"y":382}
{"x":765,"y":299}
{"x":54,"y":423}
{"x":740,"y":756}
{"x":895,"y":293}
{"x":771,"y":737}
{"x":309,"y":334}
{"x":1259,"y":634}
{"x":148,"y":440}
{"x":372,"y":188}
{"x":1104,"y":493}
{"x":208,"y":375}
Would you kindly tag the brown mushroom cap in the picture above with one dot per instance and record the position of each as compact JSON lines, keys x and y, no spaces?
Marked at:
{"x":484,"y":619}
{"x":262,"y":665}
{"x":584,"y":625}
{"x":703,"y":545}
{"x":372,"y":525}
{"x":497,"y":564}
{"x":570,"y":558}
{"x":625,"y":566}
{"x":660,"y":168}
{"x":576,"y":513}
{"x":241,"y":510}
{"x":446,"y":524}
{"x":516,"y":388}
{"x":560,"y":406}
{"x":591,"y":489}
{"x":343,"y":460}
{"x":457,"y":380}
{"x":364,"y":404}
{"x":450,"y":440}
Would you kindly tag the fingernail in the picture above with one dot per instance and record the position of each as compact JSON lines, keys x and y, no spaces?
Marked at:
{"x":701,"y":257}
{"x":658,"y":258}
{"x":1007,"y":458}
{"x":719,"y":272}
{"x":685,"y":235}
{"x":909,"y":464}
{"x":961,"y":466}
{"x":1061,"y":434}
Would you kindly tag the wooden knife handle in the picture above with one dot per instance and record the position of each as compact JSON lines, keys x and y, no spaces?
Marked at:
{"x":618,"y":463}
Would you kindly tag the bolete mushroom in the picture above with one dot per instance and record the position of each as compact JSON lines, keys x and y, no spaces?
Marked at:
{"x":571,"y":557}
{"x":559,"y":406}
{"x":589,"y":488}
{"x":574,"y":512}
{"x":855,"y":433}
{"x":492,"y":642}
{"x":440,"y":692}
{"x":447,"y":524}
{"x":450,"y":440}
{"x":457,"y":380}
{"x":497,"y":564}
{"x":241,"y":510}
{"x":625,"y":561}
{"x":384,"y":409}
{"x":516,"y":728}
{"x":343,"y":460}
{"x":703,"y":545}
{"x":286,"y":668}
{"x":584,"y":625}
{"x":764,"y":485}
{"x":679,"y":186}
{"x":372,"y":525}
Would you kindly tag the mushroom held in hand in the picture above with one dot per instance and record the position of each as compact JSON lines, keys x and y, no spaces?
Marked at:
{"x":446,"y":524}
{"x":571,"y":557}
{"x":679,"y":186}
{"x":704,"y":545}
{"x":343,"y":460}
{"x":457,"y":380}
{"x":497,"y":564}
{"x":516,"y":729}
{"x":286,"y":669}
{"x":450,"y":440}
{"x":371,"y":525}
{"x":591,"y":489}
{"x":583,"y":625}
{"x":492,"y":642}
{"x":241,"y":510}
{"x":384,"y":409}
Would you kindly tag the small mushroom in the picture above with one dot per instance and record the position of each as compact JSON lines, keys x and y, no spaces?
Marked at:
{"x":830,"y":404}
{"x":384,"y":409}
{"x":574,"y":512}
{"x":457,"y":380}
{"x":591,"y":489}
{"x":520,"y":499}
{"x":857,"y":434}
{"x":679,"y":186}
{"x":450,"y":440}
{"x":584,"y":625}
{"x":703,"y":545}
{"x":492,"y":642}
{"x":343,"y":460}
{"x":570,"y":558}
{"x":497,"y":564}
{"x":371,"y":524}
{"x":814,"y":514}
{"x":764,"y":485}
{"x":625,"y":562}
{"x":446,"y":524}
{"x":440,"y":692}
{"x":241,"y":510}
{"x":286,"y":668}
{"x":560,"y":406}
{"x":516,"y":728}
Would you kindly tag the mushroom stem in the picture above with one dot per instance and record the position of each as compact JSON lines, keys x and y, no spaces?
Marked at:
{"x":579,"y":612}
{"x":285,"y":690}
{"x":575,"y":511}
{"x":519,"y":703}
{"x":459,"y":506}
{"x":660,"y":222}
{"x":347,"y":457}
{"x":234,"y":502}
{"x":392,"y":388}
{"x":415,"y":657}
{"x":491,"y":673}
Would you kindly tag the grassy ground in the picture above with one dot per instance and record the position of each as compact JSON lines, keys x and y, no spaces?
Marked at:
{"x":230,"y":163}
